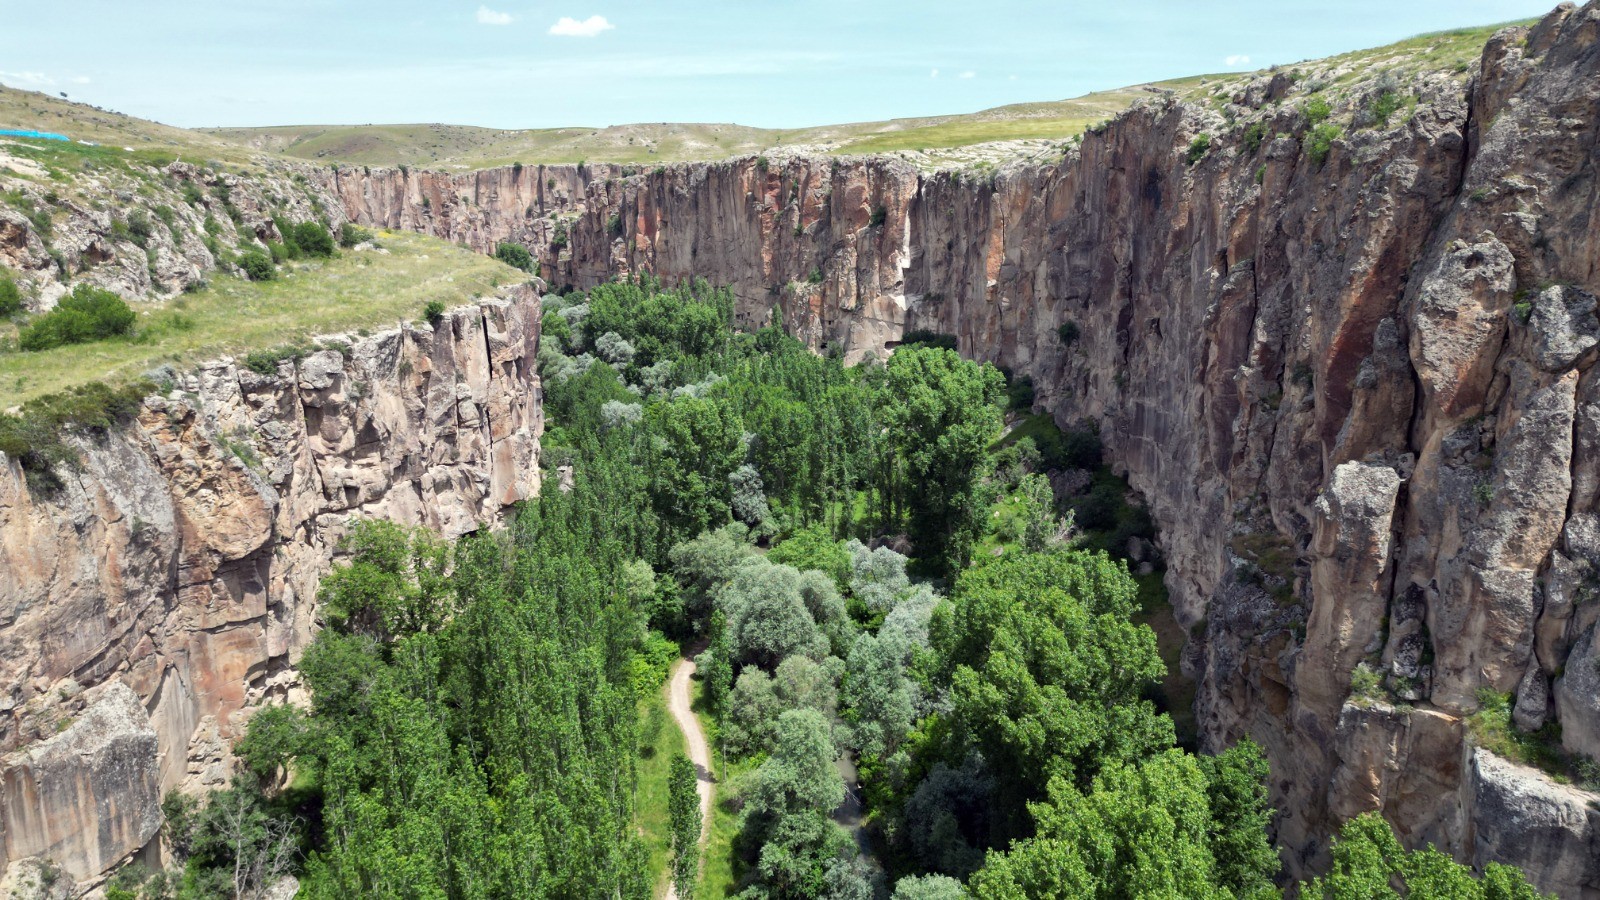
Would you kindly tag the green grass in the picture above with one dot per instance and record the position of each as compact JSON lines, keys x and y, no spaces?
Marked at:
{"x":114,"y":131}
{"x":355,"y":291}
{"x":719,"y":870}
{"x":1491,"y":728}
{"x":659,"y":741}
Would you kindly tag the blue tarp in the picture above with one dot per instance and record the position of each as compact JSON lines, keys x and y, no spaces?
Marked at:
{"x":42,"y":135}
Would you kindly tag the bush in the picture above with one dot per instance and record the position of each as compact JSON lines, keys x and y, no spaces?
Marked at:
{"x":10,"y":298}
{"x":265,"y":362}
{"x":1317,"y":110}
{"x":433,"y":312}
{"x":1068,"y":332}
{"x":87,"y":314}
{"x":257,"y":266}
{"x":923,"y":337}
{"x":313,"y":240}
{"x":879,"y":214}
{"x":514,"y":255}
{"x":350,"y":235}
{"x":35,"y":435}
{"x":1198,"y":148}
{"x":1385,"y":106}
{"x":1320,"y":142}
{"x":1254,"y":135}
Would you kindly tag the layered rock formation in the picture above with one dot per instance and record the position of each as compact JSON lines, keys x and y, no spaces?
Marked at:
{"x":1352,"y":372}
{"x":169,"y":585}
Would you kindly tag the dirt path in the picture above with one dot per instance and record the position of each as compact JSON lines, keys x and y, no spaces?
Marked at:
{"x":680,"y":703}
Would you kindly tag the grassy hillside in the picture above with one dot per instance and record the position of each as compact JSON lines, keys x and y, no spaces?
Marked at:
{"x":469,"y":147}
{"x":459,"y":146}
{"x":358,"y":290}
{"x":43,"y":112}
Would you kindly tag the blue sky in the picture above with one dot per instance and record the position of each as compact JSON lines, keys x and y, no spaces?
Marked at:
{"x":773,"y":63}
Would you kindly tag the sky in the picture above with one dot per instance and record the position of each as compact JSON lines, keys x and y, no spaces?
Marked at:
{"x":768,"y":63}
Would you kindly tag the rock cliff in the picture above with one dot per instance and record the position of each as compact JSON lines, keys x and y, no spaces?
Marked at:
{"x":168,"y":586}
{"x":1346,"y":354}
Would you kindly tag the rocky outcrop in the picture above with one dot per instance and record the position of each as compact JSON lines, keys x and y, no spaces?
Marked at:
{"x":174,"y":574}
{"x":88,"y":794}
{"x":1369,"y":352}
{"x":143,"y":230}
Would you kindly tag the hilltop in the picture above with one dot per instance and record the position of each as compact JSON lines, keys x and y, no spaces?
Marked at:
{"x":989,"y":135}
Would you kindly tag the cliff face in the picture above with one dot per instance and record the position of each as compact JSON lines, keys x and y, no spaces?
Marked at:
{"x":1355,"y":384}
{"x":168,"y":587}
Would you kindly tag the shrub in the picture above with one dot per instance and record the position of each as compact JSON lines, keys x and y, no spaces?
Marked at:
{"x":1254,"y":135}
{"x":257,"y":266}
{"x":265,"y":362}
{"x":1320,"y":142}
{"x":10,"y":298}
{"x":1384,"y":106}
{"x":880,"y":213}
{"x":87,"y":314}
{"x":514,"y":255}
{"x":926,"y":338}
{"x":313,"y":240}
{"x":351,"y":234}
{"x":139,"y":226}
{"x":1317,"y":110}
{"x":433,"y":312}
{"x":1068,"y":332}
{"x":35,"y":435}
{"x":1198,"y":148}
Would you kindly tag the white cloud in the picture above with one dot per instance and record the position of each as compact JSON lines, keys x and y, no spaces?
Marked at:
{"x":968,"y":74}
{"x":934,"y":74}
{"x":27,"y":79}
{"x":1236,"y":60}
{"x":570,"y":27}
{"x":79,"y":79}
{"x":487,"y":16}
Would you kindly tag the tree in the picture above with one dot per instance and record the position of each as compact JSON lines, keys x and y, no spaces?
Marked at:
{"x":1042,"y":528}
{"x":799,"y":776}
{"x":942,"y":412}
{"x":880,"y":699}
{"x":395,"y":584}
{"x":814,"y":548}
{"x":876,"y":576}
{"x":514,"y":255}
{"x":715,"y":663}
{"x":749,"y":501}
{"x":929,"y":887}
{"x":1140,"y":831}
{"x":1046,"y":671}
{"x":768,"y":620}
{"x":1369,"y":863}
{"x":1237,"y":792}
{"x":683,"y":812}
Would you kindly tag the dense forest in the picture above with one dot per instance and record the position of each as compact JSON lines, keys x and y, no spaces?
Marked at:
{"x":895,"y":610}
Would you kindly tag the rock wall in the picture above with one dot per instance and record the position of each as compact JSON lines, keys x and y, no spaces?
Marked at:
{"x":1352,"y":374}
{"x":170,"y":585}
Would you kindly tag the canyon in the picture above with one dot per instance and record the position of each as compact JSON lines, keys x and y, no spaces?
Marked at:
{"x":1354,"y":384}
{"x":1352,"y":375}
